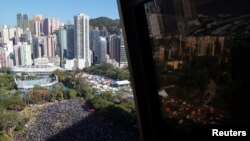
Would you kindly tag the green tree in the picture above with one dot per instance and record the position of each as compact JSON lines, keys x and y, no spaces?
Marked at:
{"x":87,"y":93}
{"x":39,"y":95}
{"x":108,"y":96}
{"x":3,"y":91}
{"x":21,"y":123}
{"x":60,"y":74}
{"x":7,"y":82}
{"x":113,"y":26}
{"x":2,"y":138}
{"x":8,"y":119}
{"x":12,"y":103}
{"x":108,"y":70}
{"x":70,"y":94}
{"x":99,"y":103}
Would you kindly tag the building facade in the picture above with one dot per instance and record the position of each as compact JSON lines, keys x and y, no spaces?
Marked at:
{"x":103,"y":50}
{"x":70,"y":41}
{"x":62,"y":43}
{"x":22,"y":21}
{"x":81,"y":48}
{"x":5,"y":34}
{"x":123,"y":56}
{"x":114,"y":47}
{"x":22,"y":52}
{"x":94,"y":43}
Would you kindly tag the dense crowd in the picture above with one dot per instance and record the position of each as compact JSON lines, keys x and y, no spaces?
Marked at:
{"x":75,"y":120}
{"x":183,"y":113}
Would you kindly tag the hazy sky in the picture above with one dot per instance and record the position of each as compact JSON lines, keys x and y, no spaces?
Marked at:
{"x":63,"y":9}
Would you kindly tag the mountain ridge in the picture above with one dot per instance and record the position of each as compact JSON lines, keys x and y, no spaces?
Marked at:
{"x":113,"y":25}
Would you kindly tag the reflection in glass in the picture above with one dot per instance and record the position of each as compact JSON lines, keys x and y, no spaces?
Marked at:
{"x":193,"y":44}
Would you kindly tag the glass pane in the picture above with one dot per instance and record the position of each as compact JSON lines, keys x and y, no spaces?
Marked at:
{"x":198,"y":48}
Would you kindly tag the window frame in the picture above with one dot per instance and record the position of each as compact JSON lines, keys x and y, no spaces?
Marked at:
{"x":141,"y":66}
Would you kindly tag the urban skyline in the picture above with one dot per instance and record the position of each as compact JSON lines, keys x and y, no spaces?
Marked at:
{"x":65,"y":11}
{"x":67,"y":46}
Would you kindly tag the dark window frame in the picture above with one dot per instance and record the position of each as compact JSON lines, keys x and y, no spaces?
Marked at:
{"x":139,"y":52}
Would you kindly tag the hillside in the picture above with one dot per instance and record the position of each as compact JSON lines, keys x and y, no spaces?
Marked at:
{"x":113,"y":26}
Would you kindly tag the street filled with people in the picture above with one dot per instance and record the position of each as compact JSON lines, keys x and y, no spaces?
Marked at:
{"x":76,"y":120}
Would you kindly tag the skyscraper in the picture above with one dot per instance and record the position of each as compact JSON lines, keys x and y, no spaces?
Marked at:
{"x":2,"y":58}
{"x":94,"y":42}
{"x":47,"y":26}
{"x":114,"y":47}
{"x":22,"y":21}
{"x":22,"y":52}
{"x":25,"y":22}
{"x":50,"y":25}
{"x":123,"y":56}
{"x":70,"y":41}
{"x":5,"y":34}
{"x":103,"y":50}
{"x":55,"y":24}
{"x":19,"y":20}
{"x":36,"y":24}
{"x":37,"y":28}
{"x":82,"y":50}
{"x":104,"y":32}
{"x":12,"y":31}
{"x":51,"y":42}
{"x":62,"y":43}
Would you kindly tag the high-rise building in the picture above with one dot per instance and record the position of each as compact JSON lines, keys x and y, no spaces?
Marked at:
{"x":22,"y":52}
{"x":47,"y":26}
{"x":70,"y":41}
{"x":206,"y":45}
{"x":103,"y":50}
{"x":19,"y":20}
{"x":19,"y":32}
{"x":166,"y":15}
{"x":45,"y":46}
{"x":114,"y":47}
{"x":2,"y":58}
{"x":155,"y":30}
{"x":35,"y":24}
{"x":54,"y":46}
{"x":94,"y":38}
{"x":82,"y":51}
{"x":25,"y":22}
{"x":55,"y":24}
{"x":104,"y":32}
{"x":123,"y":56}
{"x":12,"y":31}
{"x":9,"y":54}
{"x":5,"y":35}
{"x":28,"y":36}
{"x":62,"y":43}
{"x":37,"y":28}
{"x":117,"y":49}
{"x":94,"y":42}
{"x":48,"y":42}
{"x":50,"y":25}
{"x":22,"y":21}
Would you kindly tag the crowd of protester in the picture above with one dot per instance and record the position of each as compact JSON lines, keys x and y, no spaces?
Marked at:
{"x":183,"y":113}
{"x":76,"y":120}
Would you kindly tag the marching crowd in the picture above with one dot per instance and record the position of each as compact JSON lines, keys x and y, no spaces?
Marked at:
{"x":75,"y":120}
